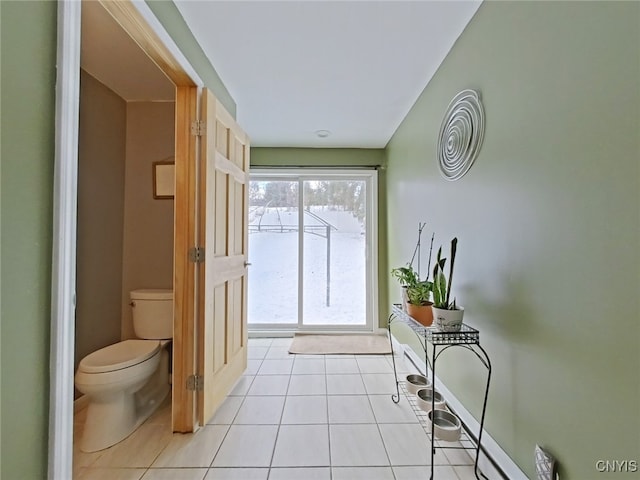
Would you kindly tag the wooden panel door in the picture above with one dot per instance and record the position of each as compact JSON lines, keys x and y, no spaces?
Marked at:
{"x":222,"y":336}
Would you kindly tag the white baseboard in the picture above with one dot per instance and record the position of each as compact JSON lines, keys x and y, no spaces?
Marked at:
{"x":491,"y":454}
{"x":257,"y":333}
{"x":270,"y":334}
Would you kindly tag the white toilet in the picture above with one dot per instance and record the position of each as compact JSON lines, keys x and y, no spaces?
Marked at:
{"x":125,"y":382}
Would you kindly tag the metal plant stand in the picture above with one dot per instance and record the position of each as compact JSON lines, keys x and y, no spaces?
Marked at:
{"x":440,"y":341}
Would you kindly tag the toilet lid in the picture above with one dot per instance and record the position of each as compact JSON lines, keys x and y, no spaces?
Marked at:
{"x":119,"y":355}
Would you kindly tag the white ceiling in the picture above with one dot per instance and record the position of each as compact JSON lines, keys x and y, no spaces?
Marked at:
{"x":354,"y":68}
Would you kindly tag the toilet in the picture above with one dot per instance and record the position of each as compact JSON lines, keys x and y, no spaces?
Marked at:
{"x":126,"y":382}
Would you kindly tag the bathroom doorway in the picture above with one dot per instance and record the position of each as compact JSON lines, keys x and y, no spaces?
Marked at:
{"x":210,"y":180}
{"x":124,"y":232}
{"x":141,"y":25}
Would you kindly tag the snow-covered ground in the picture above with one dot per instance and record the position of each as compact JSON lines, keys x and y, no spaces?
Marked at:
{"x":273,"y":276}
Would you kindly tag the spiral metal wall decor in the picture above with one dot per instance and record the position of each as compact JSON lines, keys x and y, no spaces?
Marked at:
{"x":461,"y":134}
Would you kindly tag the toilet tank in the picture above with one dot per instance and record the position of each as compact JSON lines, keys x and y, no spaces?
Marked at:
{"x":152,"y":313}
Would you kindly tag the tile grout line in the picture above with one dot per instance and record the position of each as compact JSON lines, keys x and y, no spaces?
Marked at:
{"x":384,"y":445}
{"x":275,"y":443}
{"x":326,"y":401}
{"x":244,"y":397}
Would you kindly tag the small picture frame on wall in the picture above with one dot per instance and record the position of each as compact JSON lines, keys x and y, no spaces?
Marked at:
{"x":164,"y":179}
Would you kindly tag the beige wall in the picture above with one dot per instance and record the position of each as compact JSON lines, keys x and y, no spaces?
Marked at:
{"x":148,"y":223}
{"x":125,"y":236}
{"x":101,"y":166}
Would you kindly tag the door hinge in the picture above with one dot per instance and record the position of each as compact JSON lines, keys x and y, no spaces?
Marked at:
{"x":198,"y":128}
{"x":196,"y":254}
{"x":195,"y":383}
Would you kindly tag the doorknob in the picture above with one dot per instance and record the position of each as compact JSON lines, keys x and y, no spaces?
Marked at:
{"x":246,"y":264}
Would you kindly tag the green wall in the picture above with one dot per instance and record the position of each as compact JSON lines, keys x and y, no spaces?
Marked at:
{"x":170,"y":17}
{"x":340,"y":157}
{"x":28,"y":61}
{"x":27,"y":123}
{"x":548,"y":221}
{"x":317,"y":157}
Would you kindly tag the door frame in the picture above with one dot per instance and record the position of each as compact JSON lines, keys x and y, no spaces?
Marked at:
{"x":300,"y":174}
{"x":137,"y":19}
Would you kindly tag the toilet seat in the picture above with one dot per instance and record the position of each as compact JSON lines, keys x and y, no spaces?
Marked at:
{"x":119,"y":356}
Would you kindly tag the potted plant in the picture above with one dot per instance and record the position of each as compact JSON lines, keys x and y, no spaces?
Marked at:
{"x":419,"y":302}
{"x":407,"y":277}
{"x":446,"y":313}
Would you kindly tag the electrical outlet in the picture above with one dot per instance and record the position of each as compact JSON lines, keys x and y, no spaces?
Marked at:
{"x":546,"y":468}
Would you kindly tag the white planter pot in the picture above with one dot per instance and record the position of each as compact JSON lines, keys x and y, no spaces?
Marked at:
{"x":405,"y":299}
{"x":448,"y":320}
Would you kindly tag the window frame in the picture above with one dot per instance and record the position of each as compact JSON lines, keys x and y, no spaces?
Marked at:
{"x":301,"y":174}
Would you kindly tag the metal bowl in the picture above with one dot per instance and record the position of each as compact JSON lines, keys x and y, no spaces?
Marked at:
{"x":446,"y":426}
{"x":423,"y":399}
{"x":416,"y":381}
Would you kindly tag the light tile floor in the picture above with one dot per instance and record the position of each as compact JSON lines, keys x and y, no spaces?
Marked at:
{"x":289,"y":417}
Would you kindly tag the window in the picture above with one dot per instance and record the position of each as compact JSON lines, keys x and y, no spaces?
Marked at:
{"x":312,"y":247}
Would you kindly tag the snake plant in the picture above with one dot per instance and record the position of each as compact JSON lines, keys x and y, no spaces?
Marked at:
{"x":442,"y":288}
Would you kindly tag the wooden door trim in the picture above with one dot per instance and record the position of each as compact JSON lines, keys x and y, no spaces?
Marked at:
{"x":145,"y":29}
{"x":184,"y":333}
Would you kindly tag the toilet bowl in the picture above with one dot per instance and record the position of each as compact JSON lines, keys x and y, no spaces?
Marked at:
{"x":126,"y":382}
